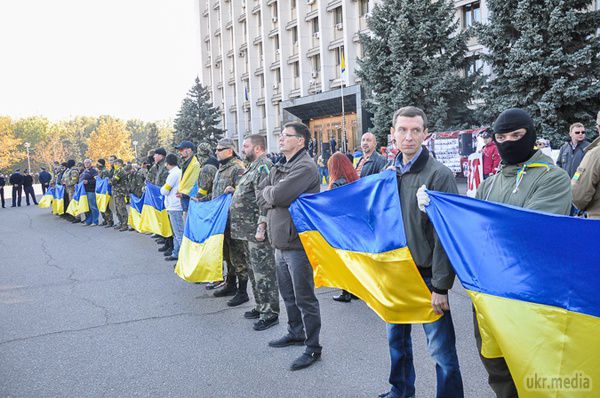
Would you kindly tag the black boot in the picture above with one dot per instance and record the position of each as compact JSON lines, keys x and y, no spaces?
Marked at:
{"x":168,"y":246}
{"x":229,"y":289}
{"x":344,"y":297}
{"x":241,"y":296}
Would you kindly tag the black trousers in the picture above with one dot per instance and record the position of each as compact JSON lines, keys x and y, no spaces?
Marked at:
{"x":2,"y":196}
{"x":30,"y":192}
{"x":44,"y":187}
{"x":16,"y":195}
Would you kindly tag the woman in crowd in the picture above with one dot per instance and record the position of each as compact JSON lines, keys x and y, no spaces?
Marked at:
{"x":341,"y":172}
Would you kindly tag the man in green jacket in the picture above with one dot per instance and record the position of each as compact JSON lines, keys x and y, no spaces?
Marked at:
{"x":415,"y":167}
{"x":527,"y":178}
{"x":586,"y":180}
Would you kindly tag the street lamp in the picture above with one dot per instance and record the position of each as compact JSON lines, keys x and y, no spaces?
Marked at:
{"x":27,"y":145}
{"x":135,"y":148}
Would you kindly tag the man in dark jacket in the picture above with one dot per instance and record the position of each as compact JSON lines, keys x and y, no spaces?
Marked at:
{"x":28,"y":188}
{"x":88,"y":177}
{"x":45,"y":178}
{"x":371,"y":162}
{"x":287,"y":181}
{"x":415,"y":167}
{"x":16,"y":180}
{"x":2,"y":184}
{"x":572,"y":152}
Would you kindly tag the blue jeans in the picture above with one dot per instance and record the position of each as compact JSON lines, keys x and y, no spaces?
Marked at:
{"x":92,"y":215}
{"x":323,"y":172}
{"x":176,"y":218}
{"x":185,"y":203}
{"x":441,"y":343}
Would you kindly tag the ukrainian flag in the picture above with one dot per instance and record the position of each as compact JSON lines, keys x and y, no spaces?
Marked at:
{"x":201,"y":252}
{"x":148,"y":214}
{"x":134,"y":220}
{"x":354,"y":238}
{"x":103,"y":193}
{"x":533,"y":278}
{"x":58,"y":204}
{"x":189,"y":180}
{"x":79,"y":202}
{"x":46,"y":200}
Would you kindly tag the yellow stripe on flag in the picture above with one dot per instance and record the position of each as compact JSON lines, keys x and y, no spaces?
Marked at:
{"x":388,"y":282}
{"x":201,"y":262}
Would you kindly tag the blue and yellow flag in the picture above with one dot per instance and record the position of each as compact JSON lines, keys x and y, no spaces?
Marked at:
{"x":189,"y":180}
{"x":201,"y":252}
{"x":354,"y":238}
{"x":148,"y":214}
{"x":134,"y":219}
{"x":46,"y":199}
{"x":534,"y":279}
{"x":103,"y":193}
{"x":79,"y":201}
{"x":58,"y":203}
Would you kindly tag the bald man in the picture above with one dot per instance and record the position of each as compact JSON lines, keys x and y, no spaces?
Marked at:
{"x":371,"y":162}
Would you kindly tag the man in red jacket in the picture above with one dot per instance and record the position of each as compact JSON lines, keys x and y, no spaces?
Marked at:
{"x":490,"y":155}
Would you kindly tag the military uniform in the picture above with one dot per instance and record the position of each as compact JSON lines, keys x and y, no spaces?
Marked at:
{"x":138,"y":181}
{"x":207,"y":173}
{"x":228,"y":175}
{"x":244,"y":217}
{"x":103,"y":172}
{"x":158,"y":173}
{"x":70,"y":178}
{"x":119,"y":182}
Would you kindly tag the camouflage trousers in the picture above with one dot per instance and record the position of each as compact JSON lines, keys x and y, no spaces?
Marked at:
{"x":235,"y":256}
{"x":108,"y":215}
{"x":121,"y":209}
{"x":263,"y":279}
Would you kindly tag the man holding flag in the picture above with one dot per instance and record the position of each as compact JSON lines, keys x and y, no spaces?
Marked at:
{"x":415,"y":167}
{"x":526,"y":178}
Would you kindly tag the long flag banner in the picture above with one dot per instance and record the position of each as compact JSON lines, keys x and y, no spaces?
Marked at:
{"x":201,"y":252}
{"x":354,"y":239}
{"x":79,"y":201}
{"x":134,"y":219}
{"x":46,"y":200}
{"x":533,"y":278}
{"x":58,"y":202}
{"x":103,"y":193}
{"x":148,"y":214}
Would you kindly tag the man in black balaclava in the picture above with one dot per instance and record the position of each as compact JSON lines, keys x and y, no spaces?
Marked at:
{"x":544,"y":187}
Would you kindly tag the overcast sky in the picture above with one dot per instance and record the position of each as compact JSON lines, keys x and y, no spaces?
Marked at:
{"x":126,"y":58}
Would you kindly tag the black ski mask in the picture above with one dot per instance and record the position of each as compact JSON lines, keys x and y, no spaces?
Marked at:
{"x":515,"y":152}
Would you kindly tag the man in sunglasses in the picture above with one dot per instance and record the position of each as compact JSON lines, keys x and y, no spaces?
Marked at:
{"x":572,"y":152}
{"x":586,"y":180}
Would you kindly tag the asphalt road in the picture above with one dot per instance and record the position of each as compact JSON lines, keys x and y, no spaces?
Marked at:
{"x":91,"y":312}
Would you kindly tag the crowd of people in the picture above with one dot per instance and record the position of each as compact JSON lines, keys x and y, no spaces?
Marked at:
{"x":262,"y":247}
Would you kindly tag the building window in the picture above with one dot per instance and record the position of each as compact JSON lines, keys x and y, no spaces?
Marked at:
{"x":276,"y":43}
{"x":258,"y":15}
{"x":262,"y":81}
{"x":274,"y":10}
{"x":293,"y":8}
{"x":471,"y":14}
{"x":363,"y":8}
{"x":338,"y":58}
{"x":294,"y":35}
{"x":315,"y":25}
{"x":474,"y":65}
{"x":316,"y":63}
{"x":296,"y":69}
{"x":337,"y":16}
{"x":278,"y":76}
{"x":260,"y":52}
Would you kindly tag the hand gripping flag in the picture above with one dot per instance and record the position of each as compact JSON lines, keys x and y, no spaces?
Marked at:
{"x":79,"y":202}
{"x":201,"y":252}
{"x":103,"y":193}
{"x":46,"y":200}
{"x":148,"y":213}
{"x":58,"y":202}
{"x":354,"y":238}
{"x":533,"y":278}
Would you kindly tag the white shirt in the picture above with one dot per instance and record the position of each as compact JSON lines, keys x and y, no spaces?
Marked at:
{"x":169,"y":190}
